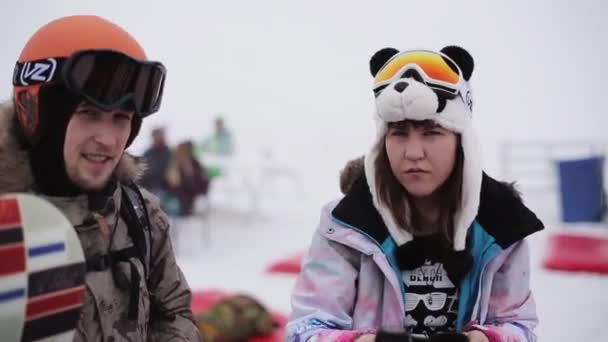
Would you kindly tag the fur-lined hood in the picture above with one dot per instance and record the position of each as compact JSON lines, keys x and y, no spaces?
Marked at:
{"x":501,"y":211}
{"x":15,"y":172}
{"x":351,"y":171}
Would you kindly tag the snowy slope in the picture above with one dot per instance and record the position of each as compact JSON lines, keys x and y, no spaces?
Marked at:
{"x":230,"y":250}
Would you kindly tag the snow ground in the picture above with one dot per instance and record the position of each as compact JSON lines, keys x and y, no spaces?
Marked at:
{"x":231,"y":247}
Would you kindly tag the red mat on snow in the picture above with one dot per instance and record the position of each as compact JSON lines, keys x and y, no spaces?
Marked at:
{"x":202,"y":300}
{"x":577,"y":253}
{"x":289,"y":265}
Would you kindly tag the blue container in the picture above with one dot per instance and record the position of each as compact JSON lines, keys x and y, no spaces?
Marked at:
{"x":582,"y":189}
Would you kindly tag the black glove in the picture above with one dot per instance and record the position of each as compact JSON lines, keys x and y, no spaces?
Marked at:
{"x":386,"y":336}
{"x":449,"y":337}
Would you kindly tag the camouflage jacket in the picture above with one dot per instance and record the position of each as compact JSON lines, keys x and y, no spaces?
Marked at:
{"x":163,"y":312}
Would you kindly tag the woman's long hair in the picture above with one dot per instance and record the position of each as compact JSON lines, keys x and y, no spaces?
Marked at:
{"x":182,"y":162}
{"x":396,"y":198}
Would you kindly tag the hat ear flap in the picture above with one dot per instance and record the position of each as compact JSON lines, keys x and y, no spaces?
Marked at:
{"x":135,"y":127}
{"x":380,"y":58}
{"x":462,"y":57}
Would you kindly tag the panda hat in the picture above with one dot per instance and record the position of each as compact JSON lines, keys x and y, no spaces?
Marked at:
{"x":407,"y":87}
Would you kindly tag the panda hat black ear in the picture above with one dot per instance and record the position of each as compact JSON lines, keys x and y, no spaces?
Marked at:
{"x":380,"y":58}
{"x":462,"y":57}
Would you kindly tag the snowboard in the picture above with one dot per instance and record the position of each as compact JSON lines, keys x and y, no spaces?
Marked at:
{"x":42,"y":271}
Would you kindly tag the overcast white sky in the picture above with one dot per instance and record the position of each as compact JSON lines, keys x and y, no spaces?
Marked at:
{"x":293,"y":75}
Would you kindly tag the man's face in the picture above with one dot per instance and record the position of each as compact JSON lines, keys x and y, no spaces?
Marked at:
{"x":94,"y":143}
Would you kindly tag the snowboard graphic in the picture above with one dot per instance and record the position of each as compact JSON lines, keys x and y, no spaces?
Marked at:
{"x":42,"y":271}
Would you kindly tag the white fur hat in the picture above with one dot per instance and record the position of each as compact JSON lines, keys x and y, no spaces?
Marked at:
{"x":424,"y":98}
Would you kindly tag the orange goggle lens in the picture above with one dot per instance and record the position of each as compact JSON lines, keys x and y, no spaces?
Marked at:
{"x":436,"y":68}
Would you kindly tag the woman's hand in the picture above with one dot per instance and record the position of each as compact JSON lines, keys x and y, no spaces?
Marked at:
{"x":366,"y":338}
{"x":476,"y":336}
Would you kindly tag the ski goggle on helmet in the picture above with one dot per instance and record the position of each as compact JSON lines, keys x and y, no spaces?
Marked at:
{"x":435,"y":69}
{"x":94,"y":59}
{"x":106,"y":78}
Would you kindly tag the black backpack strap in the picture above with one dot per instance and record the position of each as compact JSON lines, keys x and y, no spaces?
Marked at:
{"x":102,"y":262}
{"x":133,"y":211}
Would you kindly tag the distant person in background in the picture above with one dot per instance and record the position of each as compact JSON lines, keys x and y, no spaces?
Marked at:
{"x":186,"y":178}
{"x":220,"y":142}
{"x":217,"y":149}
{"x":157,"y":159}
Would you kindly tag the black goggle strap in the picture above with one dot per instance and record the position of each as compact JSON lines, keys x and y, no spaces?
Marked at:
{"x":38,"y":71}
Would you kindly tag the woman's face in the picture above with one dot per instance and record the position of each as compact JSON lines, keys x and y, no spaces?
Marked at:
{"x":421,"y":155}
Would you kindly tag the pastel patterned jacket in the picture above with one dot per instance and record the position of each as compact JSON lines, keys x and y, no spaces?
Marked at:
{"x":350,"y":283}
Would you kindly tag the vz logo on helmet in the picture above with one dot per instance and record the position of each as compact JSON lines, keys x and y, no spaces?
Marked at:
{"x":37,"y":72}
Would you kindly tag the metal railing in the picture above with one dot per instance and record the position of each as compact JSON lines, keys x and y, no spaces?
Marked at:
{"x":533,"y":164}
